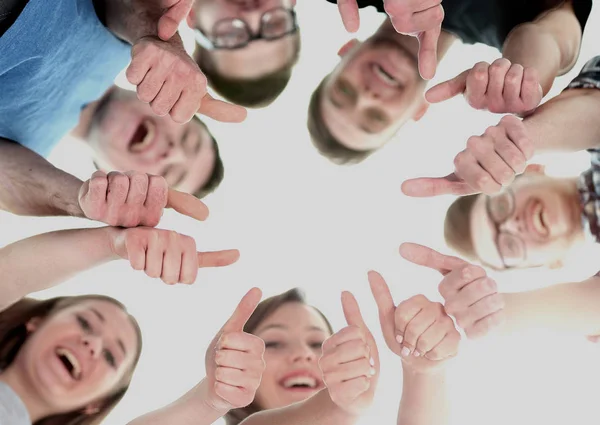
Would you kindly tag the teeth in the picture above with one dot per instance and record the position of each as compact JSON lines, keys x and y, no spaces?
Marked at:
{"x":150,"y":130}
{"x":387,"y":78}
{"x":76,"y":371}
{"x":300,"y":380}
{"x":537,"y":220}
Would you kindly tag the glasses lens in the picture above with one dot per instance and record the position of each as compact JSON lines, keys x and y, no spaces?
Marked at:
{"x":276,"y":23}
{"x":501,"y":206}
{"x":512,"y":249}
{"x":230,"y":33}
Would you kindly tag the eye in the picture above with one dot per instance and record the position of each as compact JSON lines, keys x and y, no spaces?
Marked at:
{"x":85,"y":325}
{"x":273,"y":344}
{"x":110,"y":359}
{"x":316,"y":345}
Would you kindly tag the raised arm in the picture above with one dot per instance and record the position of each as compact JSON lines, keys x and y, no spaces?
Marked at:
{"x":550,"y":44}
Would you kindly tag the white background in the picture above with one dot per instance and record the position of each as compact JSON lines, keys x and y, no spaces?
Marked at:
{"x":300,"y":221}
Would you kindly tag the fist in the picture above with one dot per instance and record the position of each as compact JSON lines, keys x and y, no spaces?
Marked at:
{"x":167,"y":78}
{"x":124,"y":199}
{"x":234,"y":360}
{"x":167,"y":255}
{"x":425,"y":334}
{"x":473,"y":300}
{"x":493,"y":160}
{"x":347,"y":366}
{"x":502,"y":87}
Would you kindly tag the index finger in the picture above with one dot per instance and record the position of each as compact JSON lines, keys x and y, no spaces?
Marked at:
{"x":424,"y":187}
{"x":424,"y":256}
{"x":187,"y":204}
{"x":222,"y":111}
{"x":243,"y":311}
{"x":350,"y":15}
{"x":428,"y":44}
{"x":447,"y":89}
{"x":169,"y":22}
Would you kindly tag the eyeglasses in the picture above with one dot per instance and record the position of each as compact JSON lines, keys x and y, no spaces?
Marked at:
{"x":511,"y":248}
{"x":235,"y":33}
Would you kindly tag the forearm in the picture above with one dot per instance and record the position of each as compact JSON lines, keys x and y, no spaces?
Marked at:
{"x":424,"y":398}
{"x":131,"y":20}
{"x":45,"y":260}
{"x":567,"y":308}
{"x":30,"y":185}
{"x":191,"y":409}
{"x":566,"y":123}
{"x":317,"y":410}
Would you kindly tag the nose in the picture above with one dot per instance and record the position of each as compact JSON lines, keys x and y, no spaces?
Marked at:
{"x":93,"y":345}
{"x":173,"y":154}
{"x":514,"y":225}
{"x":370,"y":92}
{"x":303,"y":353}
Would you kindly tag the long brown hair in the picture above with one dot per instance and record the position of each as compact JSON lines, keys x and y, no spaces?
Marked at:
{"x":265,"y":309}
{"x":14,"y":334}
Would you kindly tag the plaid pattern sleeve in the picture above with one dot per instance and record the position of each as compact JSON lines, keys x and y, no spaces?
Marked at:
{"x":589,"y":77}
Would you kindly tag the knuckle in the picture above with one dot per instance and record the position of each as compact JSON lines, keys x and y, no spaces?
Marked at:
{"x":473,"y":143}
{"x":451,"y":307}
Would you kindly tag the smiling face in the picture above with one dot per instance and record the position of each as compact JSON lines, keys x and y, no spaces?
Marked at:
{"x":258,"y":58}
{"x":540,"y":223}
{"x":126,"y":135}
{"x":78,"y":355}
{"x":373,"y":91}
{"x":293,"y":337}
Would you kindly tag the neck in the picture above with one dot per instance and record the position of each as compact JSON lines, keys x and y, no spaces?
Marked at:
{"x":34,"y":405}
{"x":444,"y":42}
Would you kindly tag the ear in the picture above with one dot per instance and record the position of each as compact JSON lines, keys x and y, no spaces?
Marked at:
{"x":535,"y":169}
{"x":33,"y":324}
{"x":556,"y":264}
{"x":421,"y":111}
{"x":348,"y":47}
{"x":92,"y":408}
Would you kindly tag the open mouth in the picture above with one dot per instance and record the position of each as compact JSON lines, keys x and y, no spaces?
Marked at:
{"x":142,"y":137}
{"x":301,"y":383}
{"x":384,"y":76}
{"x":70,"y":363}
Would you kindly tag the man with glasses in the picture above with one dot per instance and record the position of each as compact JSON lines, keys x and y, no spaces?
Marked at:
{"x":380,"y":83}
{"x":247,"y":48}
{"x":538,"y":220}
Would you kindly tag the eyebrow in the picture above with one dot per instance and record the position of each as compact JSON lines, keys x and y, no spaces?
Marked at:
{"x":103,"y":320}
{"x":278,"y":326}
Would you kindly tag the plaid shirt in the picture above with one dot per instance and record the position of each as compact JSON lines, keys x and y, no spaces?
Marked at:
{"x":589,"y":181}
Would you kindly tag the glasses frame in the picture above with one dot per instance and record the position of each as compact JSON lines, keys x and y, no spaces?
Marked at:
{"x":207,"y":43}
{"x":499,"y":231}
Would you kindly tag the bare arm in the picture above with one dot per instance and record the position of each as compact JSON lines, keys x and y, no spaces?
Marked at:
{"x":569,"y":122}
{"x":45,"y":260}
{"x":424,"y":398}
{"x":317,"y":410}
{"x":550,"y":44}
{"x":30,"y":185}
{"x":568,"y":307}
{"x":191,"y":409}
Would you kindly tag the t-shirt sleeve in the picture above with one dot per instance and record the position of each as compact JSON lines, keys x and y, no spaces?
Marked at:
{"x":12,"y":409}
{"x":589,"y":77}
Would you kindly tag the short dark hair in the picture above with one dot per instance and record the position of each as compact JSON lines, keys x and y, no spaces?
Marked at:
{"x":215,"y":179}
{"x":266,"y":308}
{"x":323,"y":140}
{"x":252,"y":92}
{"x":457,"y":227}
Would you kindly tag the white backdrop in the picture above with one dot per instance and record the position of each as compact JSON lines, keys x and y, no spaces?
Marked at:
{"x":300,"y":221}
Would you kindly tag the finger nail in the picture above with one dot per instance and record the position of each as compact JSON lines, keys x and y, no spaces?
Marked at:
{"x":399,"y":338}
{"x":372,"y":361}
{"x":372,"y":371}
{"x":405,"y":352}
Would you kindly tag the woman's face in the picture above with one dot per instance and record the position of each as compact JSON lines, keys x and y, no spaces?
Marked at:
{"x":293,"y":336}
{"x":78,"y":355}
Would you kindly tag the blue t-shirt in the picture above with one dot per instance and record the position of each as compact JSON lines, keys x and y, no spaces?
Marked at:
{"x":56,"y":58}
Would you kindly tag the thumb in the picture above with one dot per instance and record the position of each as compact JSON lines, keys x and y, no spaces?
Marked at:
{"x":170,"y":21}
{"x":428,"y":44}
{"x":222,"y":111}
{"x":349,"y":13}
{"x":352,"y":310}
{"x":424,"y":256}
{"x":424,"y":187}
{"x":447,"y":89}
{"x":595,"y":339}
{"x":187,"y":204}
{"x":243,"y":311}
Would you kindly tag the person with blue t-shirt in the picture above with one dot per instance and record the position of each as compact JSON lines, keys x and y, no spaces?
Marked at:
{"x":536,"y":220}
{"x":56,"y":59}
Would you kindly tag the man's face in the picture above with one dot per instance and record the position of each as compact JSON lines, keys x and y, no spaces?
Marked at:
{"x":544,"y":224}
{"x":258,"y":58}
{"x":373,"y":91}
{"x":126,"y":135}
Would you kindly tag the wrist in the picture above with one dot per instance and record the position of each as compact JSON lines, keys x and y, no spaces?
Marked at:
{"x":206,"y":406}
{"x":115,"y":242}
{"x":436,"y":370}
